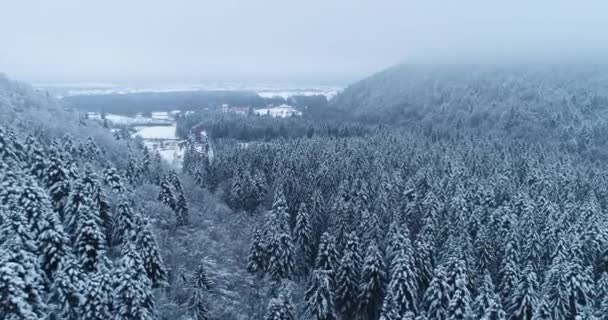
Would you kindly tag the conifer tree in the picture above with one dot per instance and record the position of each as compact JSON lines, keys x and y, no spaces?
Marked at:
{"x":199,"y":177}
{"x":166,"y":195}
{"x":402,"y":289}
{"x":373,"y":277}
{"x":7,"y":151}
{"x":148,"y":249}
{"x":486,"y":298}
{"x":280,"y":244}
{"x":460,"y":301}
{"x":175,"y":182}
{"x":182,"y":212}
{"x":201,"y":286}
{"x":77,"y":204}
{"x":21,"y":280}
{"x":53,"y":246}
{"x":68,"y":290}
{"x":37,"y":164}
{"x":57,"y":182}
{"x":90,"y":243}
{"x":425,"y":252}
{"x":133,"y":172}
{"x":281,"y":307}
{"x":132,"y":294}
{"x":303,"y":234}
{"x":113,"y":180}
{"x":97,"y":297}
{"x":125,"y":223}
{"x":257,"y":258}
{"x":320,"y":296}
{"x":494,"y":311}
{"x":524,"y":298}
{"x":436,"y":299}
{"x":327,"y":256}
{"x":347,"y":278}
{"x":93,"y":188}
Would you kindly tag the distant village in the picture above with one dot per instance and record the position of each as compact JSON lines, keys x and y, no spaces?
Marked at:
{"x":281,"y":111}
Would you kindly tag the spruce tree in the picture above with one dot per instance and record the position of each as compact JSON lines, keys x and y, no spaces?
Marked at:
{"x":90,"y":242}
{"x":281,"y":307}
{"x":257,"y":258}
{"x":280,"y":244}
{"x":37,"y":164}
{"x":93,"y":188}
{"x":436,"y":299}
{"x":97,"y":297}
{"x":373,"y":277}
{"x":320,"y":296}
{"x":182,"y":213}
{"x":486,"y":299}
{"x":166,"y":195}
{"x":21,"y":280}
{"x":302,"y":233}
{"x":132,"y":293}
{"x":77,"y":205}
{"x":148,"y":249}
{"x":327,"y":256}
{"x":347,"y":278}
{"x":125,"y":229}
{"x":524,"y":298}
{"x":201,"y":287}
{"x":113,"y":180}
{"x":57,"y":182}
{"x":402,"y":289}
{"x":460,"y":301}
{"x":68,"y":290}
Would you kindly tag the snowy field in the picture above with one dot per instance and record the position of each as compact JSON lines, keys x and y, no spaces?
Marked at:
{"x":156,"y":132}
{"x":160,"y":118}
{"x":265,"y":90}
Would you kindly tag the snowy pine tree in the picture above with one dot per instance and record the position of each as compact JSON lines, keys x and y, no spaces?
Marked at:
{"x":113,"y":180}
{"x":133,"y":298}
{"x":21,"y":280}
{"x":57,"y":182}
{"x":373,"y":277}
{"x":320,"y":296}
{"x":90,"y":242}
{"x":257,"y":258}
{"x":166,"y":195}
{"x":97,"y":297}
{"x":280,"y":245}
{"x":347,"y":278}
{"x":436,"y":299}
{"x":524,"y":299}
{"x":182,"y":213}
{"x":327,"y":256}
{"x":460,"y":301}
{"x":302,"y":233}
{"x":281,"y":307}
{"x":148,"y":249}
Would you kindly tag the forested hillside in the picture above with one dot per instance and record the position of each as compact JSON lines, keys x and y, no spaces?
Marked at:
{"x":542,"y":103}
{"x":479,"y":197}
{"x":97,"y":228}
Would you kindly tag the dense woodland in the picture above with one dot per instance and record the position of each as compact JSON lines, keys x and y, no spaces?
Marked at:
{"x":488,"y":203}
{"x":146,"y":102}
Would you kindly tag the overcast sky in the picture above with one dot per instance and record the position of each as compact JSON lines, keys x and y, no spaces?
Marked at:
{"x":318,"y":41}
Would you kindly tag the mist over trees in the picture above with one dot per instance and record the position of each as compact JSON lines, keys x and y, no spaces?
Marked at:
{"x":430,"y":193}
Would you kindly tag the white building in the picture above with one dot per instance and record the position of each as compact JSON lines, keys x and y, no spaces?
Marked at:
{"x":282,"y":111}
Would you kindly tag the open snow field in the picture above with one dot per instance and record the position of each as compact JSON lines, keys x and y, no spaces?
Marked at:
{"x":156,"y":132}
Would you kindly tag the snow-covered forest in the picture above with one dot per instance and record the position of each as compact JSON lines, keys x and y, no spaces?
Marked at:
{"x":451,"y":194}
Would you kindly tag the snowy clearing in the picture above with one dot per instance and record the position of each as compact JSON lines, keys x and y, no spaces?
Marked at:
{"x":156,"y":132}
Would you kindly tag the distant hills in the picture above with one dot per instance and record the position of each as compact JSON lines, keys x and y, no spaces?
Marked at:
{"x":480,"y":97}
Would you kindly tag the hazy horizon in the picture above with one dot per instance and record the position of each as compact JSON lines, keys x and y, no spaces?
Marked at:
{"x":335,"y":42}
